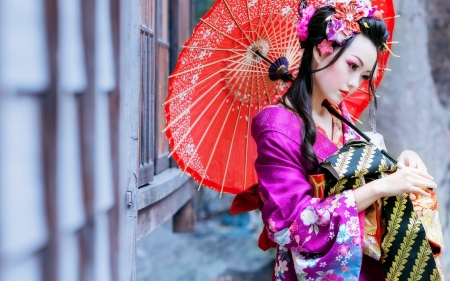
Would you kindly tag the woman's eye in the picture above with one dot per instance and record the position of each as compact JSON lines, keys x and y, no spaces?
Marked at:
{"x":353,"y":66}
{"x":366,"y":77}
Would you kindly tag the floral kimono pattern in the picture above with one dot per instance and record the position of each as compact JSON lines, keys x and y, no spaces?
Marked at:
{"x":318,"y":239}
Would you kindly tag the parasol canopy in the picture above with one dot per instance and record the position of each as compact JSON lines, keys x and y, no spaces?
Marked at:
{"x":222,"y":80}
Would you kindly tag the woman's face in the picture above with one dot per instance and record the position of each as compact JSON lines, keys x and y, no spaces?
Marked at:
{"x":344,"y":76}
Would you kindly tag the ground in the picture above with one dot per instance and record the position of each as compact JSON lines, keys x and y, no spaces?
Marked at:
{"x":221,"y":249}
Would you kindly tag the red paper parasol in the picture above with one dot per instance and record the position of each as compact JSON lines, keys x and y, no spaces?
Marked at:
{"x":220,"y":83}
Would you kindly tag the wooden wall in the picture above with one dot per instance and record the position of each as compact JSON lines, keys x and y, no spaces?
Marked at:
{"x":59,"y":193}
{"x":84,"y":171}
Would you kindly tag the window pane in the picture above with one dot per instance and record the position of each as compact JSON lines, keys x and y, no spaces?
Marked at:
{"x":163,"y":73}
{"x":151,"y":13}
{"x":147,"y":13}
{"x":143,"y":13}
{"x":146,"y":118}
{"x":163,"y":21}
{"x":184,"y":29}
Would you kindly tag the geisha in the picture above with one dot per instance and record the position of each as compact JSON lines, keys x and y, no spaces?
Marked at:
{"x":331,"y":238}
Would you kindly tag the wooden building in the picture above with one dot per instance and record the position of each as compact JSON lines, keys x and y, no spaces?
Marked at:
{"x":84,"y":171}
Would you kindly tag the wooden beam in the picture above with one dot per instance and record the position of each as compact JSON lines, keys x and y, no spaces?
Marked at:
{"x":156,"y":214}
{"x":163,"y":184}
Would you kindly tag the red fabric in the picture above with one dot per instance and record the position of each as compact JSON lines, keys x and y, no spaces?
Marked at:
{"x":264,"y":242}
{"x":246,"y":201}
{"x":249,"y":200}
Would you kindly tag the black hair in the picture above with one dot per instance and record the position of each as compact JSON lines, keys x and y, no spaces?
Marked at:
{"x":300,"y":92}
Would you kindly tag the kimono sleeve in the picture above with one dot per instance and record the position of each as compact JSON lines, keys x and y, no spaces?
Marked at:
{"x":294,"y":219}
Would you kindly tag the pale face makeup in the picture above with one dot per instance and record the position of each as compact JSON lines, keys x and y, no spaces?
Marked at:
{"x":344,"y":76}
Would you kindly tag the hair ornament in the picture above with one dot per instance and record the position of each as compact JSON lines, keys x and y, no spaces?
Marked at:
{"x":342,"y":25}
{"x":326,"y":47}
{"x":302,"y":26}
{"x":389,"y":50}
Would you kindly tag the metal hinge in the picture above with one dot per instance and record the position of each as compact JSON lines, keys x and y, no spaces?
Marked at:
{"x":129,"y":198}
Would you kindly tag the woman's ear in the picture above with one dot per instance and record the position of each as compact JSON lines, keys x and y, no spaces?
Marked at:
{"x":318,"y":57}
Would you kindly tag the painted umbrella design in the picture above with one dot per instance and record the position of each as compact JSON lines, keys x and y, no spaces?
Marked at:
{"x":222,"y":80}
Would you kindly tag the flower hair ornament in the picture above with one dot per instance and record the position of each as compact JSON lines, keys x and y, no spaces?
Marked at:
{"x":342,"y":25}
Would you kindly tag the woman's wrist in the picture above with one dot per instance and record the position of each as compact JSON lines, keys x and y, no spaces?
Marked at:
{"x":376,"y":187}
{"x":367,"y":194}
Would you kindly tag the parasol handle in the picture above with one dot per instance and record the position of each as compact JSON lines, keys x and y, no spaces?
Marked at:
{"x":277,"y":70}
{"x":263,"y":57}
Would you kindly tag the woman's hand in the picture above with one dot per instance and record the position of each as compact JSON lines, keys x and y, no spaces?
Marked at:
{"x":405,"y":180}
{"x":411,"y":159}
{"x":411,"y":178}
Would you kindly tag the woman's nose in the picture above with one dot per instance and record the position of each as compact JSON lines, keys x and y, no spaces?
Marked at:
{"x":353,"y":83}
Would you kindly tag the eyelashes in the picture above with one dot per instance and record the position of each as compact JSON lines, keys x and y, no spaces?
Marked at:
{"x":354,"y":67}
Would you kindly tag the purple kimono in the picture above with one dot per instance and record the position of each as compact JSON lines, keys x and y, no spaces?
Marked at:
{"x":318,"y":239}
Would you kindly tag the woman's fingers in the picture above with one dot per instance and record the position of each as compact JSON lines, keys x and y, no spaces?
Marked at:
{"x":420,"y":191}
{"x":418,"y":172}
{"x":419,"y":180}
{"x":412,"y":163}
{"x":424,"y":183}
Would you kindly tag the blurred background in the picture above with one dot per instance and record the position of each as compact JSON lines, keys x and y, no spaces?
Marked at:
{"x":87,"y":191}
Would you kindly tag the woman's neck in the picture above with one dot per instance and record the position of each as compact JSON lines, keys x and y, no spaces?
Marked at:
{"x":318,"y":111}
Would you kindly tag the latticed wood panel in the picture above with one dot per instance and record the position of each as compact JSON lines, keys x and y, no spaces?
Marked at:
{"x":59,"y":205}
{"x":78,"y":118}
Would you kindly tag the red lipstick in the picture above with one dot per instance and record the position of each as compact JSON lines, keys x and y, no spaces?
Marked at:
{"x":344,"y":93}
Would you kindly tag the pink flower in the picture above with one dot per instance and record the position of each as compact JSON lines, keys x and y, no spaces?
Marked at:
{"x":283,"y":266}
{"x":326,"y":47}
{"x":343,"y":249}
{"x":272,"y":225}
{"x":293,"y":227}
{"x":356,"y":241}
{"x":324,"y":217}
{"x":345,"y":269}
{"x":353,"y":226}
{"x":332,"y":277}
{"x":351,"y":14}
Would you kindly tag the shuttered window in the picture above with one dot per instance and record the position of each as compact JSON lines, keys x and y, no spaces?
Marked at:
{"x":162,"y":73}
{"x":147,"y":92}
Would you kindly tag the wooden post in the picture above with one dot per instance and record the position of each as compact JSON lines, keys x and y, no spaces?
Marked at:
{"x":129,"y":122}
{"x":184,"y":219}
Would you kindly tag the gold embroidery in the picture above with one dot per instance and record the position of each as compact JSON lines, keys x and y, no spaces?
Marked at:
{"x":339,"y":187}
{"x":421,"y":262}
{"x":343,"y":161}
{"x":435,"y":276}
{"x":405,"y":248}
{"x":365,"y":161}
{"x":383,"y":166}
{"x":394,"y":222}
{"x":359,"y":182}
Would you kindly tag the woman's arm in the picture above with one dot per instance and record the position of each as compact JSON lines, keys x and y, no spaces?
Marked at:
{"x":293,"y":217}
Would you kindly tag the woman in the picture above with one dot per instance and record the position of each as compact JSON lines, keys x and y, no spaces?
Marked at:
{"x":322,"y":239}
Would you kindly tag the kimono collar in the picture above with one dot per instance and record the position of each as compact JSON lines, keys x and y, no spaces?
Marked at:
{"x":324,"y":148}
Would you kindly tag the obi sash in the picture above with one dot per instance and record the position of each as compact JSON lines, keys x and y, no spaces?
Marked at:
{"x":402,"y":231}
